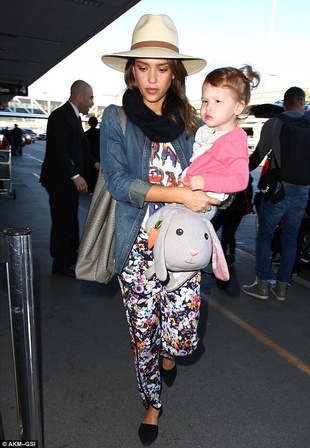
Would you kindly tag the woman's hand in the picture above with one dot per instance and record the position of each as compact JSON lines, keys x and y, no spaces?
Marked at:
{"x":198,"y":201}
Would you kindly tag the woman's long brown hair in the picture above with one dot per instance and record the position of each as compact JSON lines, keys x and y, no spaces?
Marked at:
{"x":175,"y":98}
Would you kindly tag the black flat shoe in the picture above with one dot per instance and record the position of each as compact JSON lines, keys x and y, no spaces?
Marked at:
{"x":148,"y":433}
{"x":169,"y":376}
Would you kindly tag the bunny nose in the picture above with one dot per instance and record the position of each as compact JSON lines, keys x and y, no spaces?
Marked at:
{"x":193,"y":252}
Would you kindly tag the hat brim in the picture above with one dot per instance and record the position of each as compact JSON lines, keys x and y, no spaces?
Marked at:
{"x":118,"y":60}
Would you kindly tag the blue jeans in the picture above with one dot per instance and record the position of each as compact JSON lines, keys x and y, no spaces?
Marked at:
{"x":290,"y":211}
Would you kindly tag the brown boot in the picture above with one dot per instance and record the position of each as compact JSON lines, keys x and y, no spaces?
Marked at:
{"x":258,"y":289}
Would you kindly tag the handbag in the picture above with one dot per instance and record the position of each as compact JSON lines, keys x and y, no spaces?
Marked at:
{"x":95,"y":260}
{"x":269,"y":182}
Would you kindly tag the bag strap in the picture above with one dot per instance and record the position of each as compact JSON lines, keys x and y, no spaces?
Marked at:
{"x":122,"y":118}
{"x":275,"y":159}
{"x":271,"y":156}
{"x":271,"y":152}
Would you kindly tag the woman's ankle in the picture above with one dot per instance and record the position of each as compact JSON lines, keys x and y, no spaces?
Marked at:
{"x":168,"y":363}
{"x":151,"y":416}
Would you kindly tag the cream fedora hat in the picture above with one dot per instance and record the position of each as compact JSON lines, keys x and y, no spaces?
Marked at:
{"x":154,"y":37}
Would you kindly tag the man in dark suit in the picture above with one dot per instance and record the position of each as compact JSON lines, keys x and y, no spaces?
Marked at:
{"x":17,"y":141}
{"x":93,"y":135}
{"x":64,"y":172}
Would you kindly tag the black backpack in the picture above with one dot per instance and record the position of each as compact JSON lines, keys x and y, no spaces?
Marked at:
{"x":295,"y":149}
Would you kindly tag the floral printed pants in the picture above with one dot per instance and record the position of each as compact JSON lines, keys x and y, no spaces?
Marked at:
{"x":160,"y":323}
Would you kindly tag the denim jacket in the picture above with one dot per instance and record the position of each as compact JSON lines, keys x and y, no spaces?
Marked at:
{"x":125,"y":165}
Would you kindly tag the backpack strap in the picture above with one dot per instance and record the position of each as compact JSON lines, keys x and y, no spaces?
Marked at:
{"x":122,"y":118}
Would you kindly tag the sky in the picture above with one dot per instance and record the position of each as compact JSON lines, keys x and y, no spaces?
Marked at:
{"x":271,"y":35}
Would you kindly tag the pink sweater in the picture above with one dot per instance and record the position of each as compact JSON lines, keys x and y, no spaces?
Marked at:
{"x":225,"y":166}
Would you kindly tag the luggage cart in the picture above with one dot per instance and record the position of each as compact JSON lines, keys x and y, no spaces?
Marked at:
{"x":5,"y":171}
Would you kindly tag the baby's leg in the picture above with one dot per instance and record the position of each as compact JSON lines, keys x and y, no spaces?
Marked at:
{"x":221,"y":196}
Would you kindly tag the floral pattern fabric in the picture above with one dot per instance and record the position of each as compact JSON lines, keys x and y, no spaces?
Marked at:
{"x":160,"y":323}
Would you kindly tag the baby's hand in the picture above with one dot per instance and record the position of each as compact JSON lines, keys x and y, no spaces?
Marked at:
{"x":183,"y":183}
{"x":196,"y":183}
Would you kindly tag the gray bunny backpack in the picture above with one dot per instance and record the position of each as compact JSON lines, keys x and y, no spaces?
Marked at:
{"x":183,"y":242}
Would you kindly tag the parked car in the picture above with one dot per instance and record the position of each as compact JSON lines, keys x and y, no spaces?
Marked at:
{"x":41,"y":136}
{"x":4,"y":142}
{"x":33,"y":135}
{"x":26,"y":137}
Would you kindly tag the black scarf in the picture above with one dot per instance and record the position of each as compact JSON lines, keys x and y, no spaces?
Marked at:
{"x":158,"y":128}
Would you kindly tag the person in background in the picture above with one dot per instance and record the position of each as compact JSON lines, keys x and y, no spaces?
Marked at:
{"x":64,"y":174}
{"x":230,"y":218}
{"x":8,"y":135}
{"x":93,"y":135}
{"x":290,"y":210}
{"x":159,"y":138}
{"x":17,"y":141}
{"x":4,"y":145}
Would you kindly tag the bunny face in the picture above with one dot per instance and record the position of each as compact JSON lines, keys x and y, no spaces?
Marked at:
{"x":186,"y":241}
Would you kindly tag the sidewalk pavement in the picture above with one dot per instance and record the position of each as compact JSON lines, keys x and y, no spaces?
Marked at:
{"x":246,"y":386}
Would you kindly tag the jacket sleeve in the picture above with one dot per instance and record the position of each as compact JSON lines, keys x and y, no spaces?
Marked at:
{"x":124,"y":186}
{"x":269,"y":139}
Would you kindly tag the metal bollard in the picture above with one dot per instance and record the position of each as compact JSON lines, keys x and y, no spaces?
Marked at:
{"x":1,"y":429}
{"x":20,"y":290}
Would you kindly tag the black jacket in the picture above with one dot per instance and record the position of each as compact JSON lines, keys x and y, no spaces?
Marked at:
{"x":67,"y":150}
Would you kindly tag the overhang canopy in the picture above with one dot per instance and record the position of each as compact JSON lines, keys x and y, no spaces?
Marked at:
{"x":35,"y":35}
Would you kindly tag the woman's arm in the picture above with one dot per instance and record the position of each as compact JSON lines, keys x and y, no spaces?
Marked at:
{"x":197,"y":201}
{"x":265,"y":143}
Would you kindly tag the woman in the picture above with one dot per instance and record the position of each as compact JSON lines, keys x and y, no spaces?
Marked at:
{"x":141,"y":168}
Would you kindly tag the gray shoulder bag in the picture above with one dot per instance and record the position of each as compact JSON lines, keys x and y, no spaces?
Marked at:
{"x":97,"y":247}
